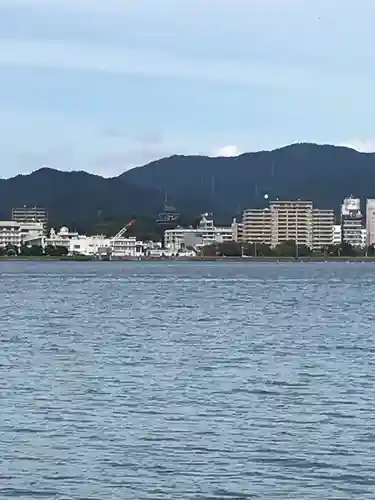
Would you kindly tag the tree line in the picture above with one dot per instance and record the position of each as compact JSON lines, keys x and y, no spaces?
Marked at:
{"x":285,"y":249}
{"x":33,"y":251}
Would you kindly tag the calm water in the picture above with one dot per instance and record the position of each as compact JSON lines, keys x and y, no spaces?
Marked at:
{"x":187,"y":381}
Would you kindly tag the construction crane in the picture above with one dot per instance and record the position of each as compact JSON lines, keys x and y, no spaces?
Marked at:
{"x":107,"y":251}
{"x":123,"y":230}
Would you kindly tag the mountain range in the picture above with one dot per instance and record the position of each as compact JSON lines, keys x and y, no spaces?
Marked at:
{"x":324,"y":174}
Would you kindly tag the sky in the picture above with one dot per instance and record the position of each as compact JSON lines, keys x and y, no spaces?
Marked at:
{"x":106,"y":85}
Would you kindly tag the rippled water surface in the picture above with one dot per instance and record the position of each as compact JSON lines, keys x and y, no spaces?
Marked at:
{"x":187,"y":381}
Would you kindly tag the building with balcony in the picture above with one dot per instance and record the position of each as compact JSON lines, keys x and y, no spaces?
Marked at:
{"x":30,"y":215}
{"x":292,"y":221}
{"x":370,"y":222}
{"x":352,"y":222}
{"x":16,"y":234}
{"x":323,"y":222}
{"x":336,"y":235}
{"x":283,"y":221}
{"x":257,"y":226}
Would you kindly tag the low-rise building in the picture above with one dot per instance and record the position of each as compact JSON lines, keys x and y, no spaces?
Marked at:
{"x":101,"y":246}
{"x":183,"y":239}
{"x":125,"y":247}
{"x":89,"y":245}
{"x":15,"y":234}
{"x":60,"y":238}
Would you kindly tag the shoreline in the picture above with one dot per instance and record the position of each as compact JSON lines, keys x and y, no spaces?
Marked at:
{"x":20,"y":258}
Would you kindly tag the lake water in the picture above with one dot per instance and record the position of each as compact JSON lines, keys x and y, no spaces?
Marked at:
{"x":187,"y":381}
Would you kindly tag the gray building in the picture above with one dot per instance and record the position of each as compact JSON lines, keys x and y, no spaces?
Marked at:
{"x":30,"y":215}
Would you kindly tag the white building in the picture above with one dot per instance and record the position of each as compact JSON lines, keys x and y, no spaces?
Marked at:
{"x":126,"y":247}
{"x":89,"y":245}
{"x":60,"y":238}
{"x":184,"y":239}
{"x":336,"y":235}
{"x":16,"y":233}
{"x":364,"y":238}
{"x":370,"y":222}
{"x":100,"y":245}
{"x":352,"y":222}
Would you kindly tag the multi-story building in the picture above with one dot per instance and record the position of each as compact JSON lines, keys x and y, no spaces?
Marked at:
{"x":322,"y":227}
{"x":352,"y":222}
{"x":370,"y":222}
{"x":291,"y":221}
{"x":16,"y":233}
{"x":282,"y":221}
{"x":257,"y":226}
{"x":336,"y":234}
{"x":237,"y":231}
{"x":181,"y":239}
{"x":30,"y":215}
{"x":364,"y":238}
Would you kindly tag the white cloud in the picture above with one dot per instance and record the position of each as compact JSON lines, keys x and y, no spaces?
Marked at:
{"x":228,"y":151}
{"x":114,"y":60}
{"x":361,"y":145}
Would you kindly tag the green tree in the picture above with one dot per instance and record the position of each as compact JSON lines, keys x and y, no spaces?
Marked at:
{"x":58,"y":251}
{"x":11,"y":250}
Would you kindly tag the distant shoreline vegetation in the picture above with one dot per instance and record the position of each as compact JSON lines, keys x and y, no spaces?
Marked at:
{"x":230,"y":251}
{"x":288,"y":249}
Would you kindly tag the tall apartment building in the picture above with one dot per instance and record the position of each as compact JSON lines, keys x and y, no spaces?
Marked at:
{"x":322,"y":227}
{"x":370,"y":221}
{"x":30,"y":215}
{"x":352,"y":222}
{"x":257,"y":226}
{"x":289,"y":220}
{"x":336,"y":234}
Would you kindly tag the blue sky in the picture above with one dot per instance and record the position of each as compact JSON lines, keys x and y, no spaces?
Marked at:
{"x":104,"y":85}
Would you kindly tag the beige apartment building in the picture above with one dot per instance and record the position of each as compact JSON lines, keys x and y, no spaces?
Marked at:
{"x":323,"y":229}
{"x":370,"y":221}
{"x":289,"y":220}
{"x":256,"y":226}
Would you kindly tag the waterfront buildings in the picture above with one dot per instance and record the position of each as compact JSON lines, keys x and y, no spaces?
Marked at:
{"x":289,"y":220}
{"x":193,"y":239}
{"x":370,"y":222}
{"x":14,"y":234}
{"x":323,"y":222}
{"x":237,"y":231}
{"x":30,"y":214}
{"x":257,"y":226}
{"x":336,"y":235}
{"x":352,"y":222}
